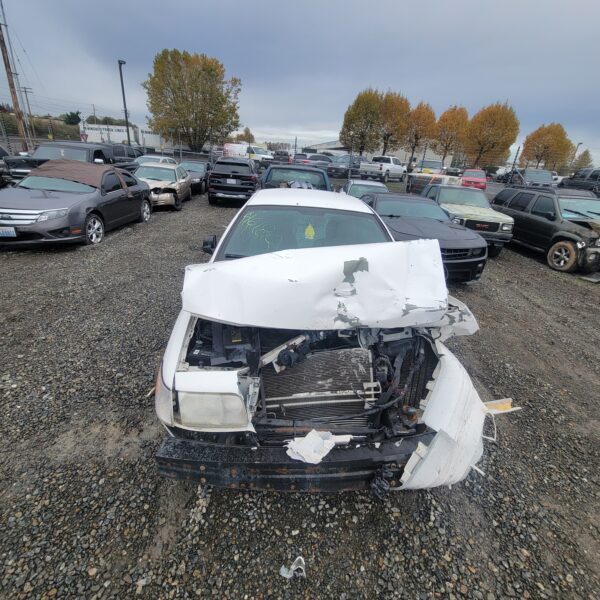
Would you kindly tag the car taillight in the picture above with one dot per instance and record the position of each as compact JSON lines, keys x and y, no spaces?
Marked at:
{"x":381,"y":166}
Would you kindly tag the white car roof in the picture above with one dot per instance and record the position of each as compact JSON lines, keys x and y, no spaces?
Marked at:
{"x":158,"y":165}
{"x":310,"y":198}
{"x":367,"y":182}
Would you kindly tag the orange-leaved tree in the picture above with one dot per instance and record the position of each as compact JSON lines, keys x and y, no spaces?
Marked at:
{"x":421,"y":128}
{"x":548,"y":145}
{"x":450,"y":131}
{"x":395,"y":113}
{"x":361,"y":128}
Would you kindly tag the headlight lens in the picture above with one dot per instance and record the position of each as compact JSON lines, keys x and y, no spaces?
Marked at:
{"x":506,"y":227}
{"x":212,"y":411}
{"x":47,"y":215}
{"x":163,"y":400}
{"x":478,"y":251}
{"x":458,"y":220}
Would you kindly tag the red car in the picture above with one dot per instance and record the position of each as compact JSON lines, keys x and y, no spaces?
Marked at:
{"x":474,"y":178}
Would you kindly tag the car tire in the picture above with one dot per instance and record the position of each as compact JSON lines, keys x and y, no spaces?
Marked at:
{"x":562,"y":256}
{"x":494,"y":251}
{"x":93,"y":228}
{"x":145,"y":211}
{"x":178,"y":203}
{"x":212,"y":200}
{"x":385,"y":177}
{"x":189,"y":195}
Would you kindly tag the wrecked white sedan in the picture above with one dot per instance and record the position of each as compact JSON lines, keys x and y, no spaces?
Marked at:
{"x":309,"y":355}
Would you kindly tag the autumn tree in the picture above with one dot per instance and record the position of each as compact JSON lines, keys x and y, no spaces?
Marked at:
{"x":450,"y":131}
{"x":420,"y":129}
{"x":188,"y":93}
{"x":246,"y":136}
{"x":395,"y":112}
{"x":361,"y":129}
{"x":490,"y":134}
{"x":547,"y":145}
{"x":583,"y":161}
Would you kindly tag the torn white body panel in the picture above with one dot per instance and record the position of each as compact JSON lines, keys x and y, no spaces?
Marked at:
{"x":369,"y":285}
{"x":315,"y":445}
{"x":453,"y":409}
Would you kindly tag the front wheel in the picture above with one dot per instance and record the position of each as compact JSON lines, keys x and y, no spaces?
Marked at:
{"x":562,"y":256}
{"x":178,"y":203}
{"x":212,"y":200}
{"x":94,"y":229}
{"x":145,"y":212}
{"x":494,"y":251}
{"x":386,"y":177}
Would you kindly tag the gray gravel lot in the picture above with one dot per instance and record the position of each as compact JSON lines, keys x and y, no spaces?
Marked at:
{"x":84,"y":515}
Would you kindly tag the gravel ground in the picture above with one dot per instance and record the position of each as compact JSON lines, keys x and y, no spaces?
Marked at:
{"x":84,"y":515}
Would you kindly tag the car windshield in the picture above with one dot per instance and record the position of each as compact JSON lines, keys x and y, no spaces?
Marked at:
{"x":52,"y":184}
{"x":342,"y":159}
{"x":145,"y":159}
{"x":396,"y":207}
{"x":58,"y":152}
{"x":461,"y":196}
{"x":538,"y":175}
{"x":263,"y":229}
{"x":579,"y":207}
{"x":358,"y":190}
{"x":430,"y":164}
{"x":474,"y":173}
{"x":155,"y":173}
{"x":260,"y":151}
{"x":194,"y":167}
{"x":287,"y":176}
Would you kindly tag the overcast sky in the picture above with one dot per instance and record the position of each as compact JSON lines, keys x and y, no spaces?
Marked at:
{"x":302,"y":63}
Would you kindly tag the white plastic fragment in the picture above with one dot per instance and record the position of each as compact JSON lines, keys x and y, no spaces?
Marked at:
{"x":297,"y":569}
{"x":314,"y":446}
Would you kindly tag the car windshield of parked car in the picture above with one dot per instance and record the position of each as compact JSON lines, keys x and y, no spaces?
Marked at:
{"x":60,"y":152}
{"x":259,"y":151}
{"x":360,"y":189}
{"x":52,"y":184}
{"x":144,"y":159}
{"x":155,"y":173}
{"x":193,"y":167}
{"x":342,"y":160}
{"x":474,"y":173}
{"x":263,"y":229}
{"x":430,"y":164}
{"x":461,"y":196}
{"x":395,"y":207}
{"x":579,"y":207}
{"x":281,"y":176}
{"x":538,"y":175}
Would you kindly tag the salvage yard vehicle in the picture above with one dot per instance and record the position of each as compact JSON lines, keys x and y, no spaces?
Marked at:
{"x":18,"y":167}
{"x":70,"y":201}
{"x":383,"y":168}
{"x":198,"y":172}
{"x":155,"y":158}
{"x":584,"y":179}
{"x":286,"y":175}
{"x":170,"y":185}
{"x":309,"y":355}
{"x":471,"y":208}
{"x":562,"y":223}
{"x":531,"y":178}
{"x":342,"y":164}
{"x":232,"y":179}
{"x":464,"y":252}
{"x":358,"y":188}
{"x":474,"y":178}
{"x":434,"y":167}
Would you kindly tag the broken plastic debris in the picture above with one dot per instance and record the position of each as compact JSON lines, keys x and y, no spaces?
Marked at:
{"x":314,"y":446}
{"x":502,"y":406}
{"x":297,"y":568}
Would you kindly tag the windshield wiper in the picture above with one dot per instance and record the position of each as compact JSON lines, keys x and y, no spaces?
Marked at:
{"x":591,"y":212}
{"x":575,"y":212}
{"x":230,"y":255}
{"x":392,"y":216}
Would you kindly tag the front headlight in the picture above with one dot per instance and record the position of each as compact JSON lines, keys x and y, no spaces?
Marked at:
{"x":597,"y":242}
{"x":458,"y":220}
{"x":47,"y":215}
{"x":506,"y":227}
{"x":212,"y":411}
{"x":163,"y":400}
{"x":478,"y":251}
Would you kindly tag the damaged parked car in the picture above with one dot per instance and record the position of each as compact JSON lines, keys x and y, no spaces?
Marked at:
{"x":309,"y":355}
{"x":170,"y":185}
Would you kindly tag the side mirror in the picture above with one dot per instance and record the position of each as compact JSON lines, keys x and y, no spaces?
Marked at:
{"x":209,"y":244}
{"x":549,"y":215}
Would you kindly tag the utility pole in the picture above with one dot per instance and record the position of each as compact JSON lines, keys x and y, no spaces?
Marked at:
{"x":13,"y":90}
{"x":27,"y":91}
{"x":121,"y":63}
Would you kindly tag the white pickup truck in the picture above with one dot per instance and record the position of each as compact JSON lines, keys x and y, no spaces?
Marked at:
{"x":383,"y":168}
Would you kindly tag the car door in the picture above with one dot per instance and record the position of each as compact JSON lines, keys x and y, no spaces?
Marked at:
{"x":113,"y":200}
{"x":516,"y":208}
{"x":541,"y":221}
{"x":184,"y":181}
{"x":133,"y":201}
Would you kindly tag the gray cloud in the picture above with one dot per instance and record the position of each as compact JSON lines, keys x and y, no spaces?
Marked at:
{"x":301,"y":64}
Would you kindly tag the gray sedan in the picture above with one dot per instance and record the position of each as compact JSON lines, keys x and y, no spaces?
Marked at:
{"x":69,"y":201}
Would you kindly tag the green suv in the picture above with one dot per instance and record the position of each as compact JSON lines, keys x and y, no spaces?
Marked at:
{"x":563,"y":223}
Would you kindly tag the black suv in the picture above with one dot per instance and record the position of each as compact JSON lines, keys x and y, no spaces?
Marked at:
{"x":563,"y":223}
{"x":232,"y":179}
{"x":584,"y":179}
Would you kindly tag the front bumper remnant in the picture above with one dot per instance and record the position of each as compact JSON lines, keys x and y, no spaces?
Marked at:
{"x":270,"y":468}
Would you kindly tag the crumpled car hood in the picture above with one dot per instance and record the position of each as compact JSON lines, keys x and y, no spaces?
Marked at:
{"x":382,"y":285}
{"x":477,"y":212}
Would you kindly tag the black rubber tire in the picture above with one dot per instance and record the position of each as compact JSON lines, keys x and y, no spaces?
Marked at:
{"x":562,"y":256}
{"x":494,"y":251}
{"x":212,"y":200}
{"x":145,"y":211}
{"x":189,"y":195}
{"x":386,"y":177}
{"x":178,"y":203}
{"x":93,"y":222}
